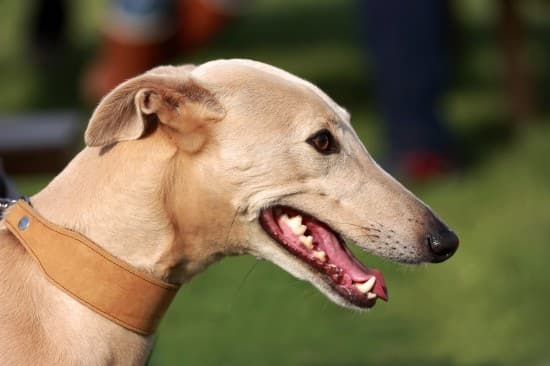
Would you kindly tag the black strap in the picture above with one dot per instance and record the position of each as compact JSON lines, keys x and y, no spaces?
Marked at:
{"x":7,"y":202}
{"x":4,"y":204}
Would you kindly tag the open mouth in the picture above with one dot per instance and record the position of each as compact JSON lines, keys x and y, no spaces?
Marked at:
{"x":317,"y":245}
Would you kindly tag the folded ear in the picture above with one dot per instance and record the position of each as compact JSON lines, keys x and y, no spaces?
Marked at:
{"x":175,"y":100}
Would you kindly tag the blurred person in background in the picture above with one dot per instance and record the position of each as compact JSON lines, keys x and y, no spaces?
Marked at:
{"x":7,"y":188}
{"x":141,"y":34}
{"x":136,"y":35}
{"x":405,"y":41}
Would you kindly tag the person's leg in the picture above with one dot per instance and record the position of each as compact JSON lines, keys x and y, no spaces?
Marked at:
{"x":138,"y":35}
{"x":7,"y":188}
{"x":47,"y":29}
{"x":134,"y":36}
{"x":406,"y":43}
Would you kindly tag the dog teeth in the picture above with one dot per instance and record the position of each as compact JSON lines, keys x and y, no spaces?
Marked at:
{"x":371,"y":296}
{"x":366,"y":286}
{"x":295,"y":224}
{"x":307,"y":241}
{"x":321,"y":255}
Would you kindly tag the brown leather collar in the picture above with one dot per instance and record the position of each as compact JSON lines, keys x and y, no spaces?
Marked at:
{"x":89,"y":274}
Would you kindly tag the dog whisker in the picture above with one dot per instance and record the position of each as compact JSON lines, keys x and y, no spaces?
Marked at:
{"x":231,"y":226}
{"x":241,"y":284}
{"x":360,"y":227}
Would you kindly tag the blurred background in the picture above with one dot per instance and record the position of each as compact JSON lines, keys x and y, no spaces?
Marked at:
{"x":452,"y":97}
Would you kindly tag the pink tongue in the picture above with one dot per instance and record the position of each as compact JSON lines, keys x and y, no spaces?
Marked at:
{"x":344,"y":259}
{"x":329,"y":243}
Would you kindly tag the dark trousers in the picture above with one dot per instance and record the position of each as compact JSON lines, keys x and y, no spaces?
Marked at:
{"x":7,"y":189}
{"x":405,"y":40}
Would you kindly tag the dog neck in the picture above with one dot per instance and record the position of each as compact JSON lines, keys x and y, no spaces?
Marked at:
{"x":118,"y":204}
{"x":144,"y":203}
{"x":115,"y":201}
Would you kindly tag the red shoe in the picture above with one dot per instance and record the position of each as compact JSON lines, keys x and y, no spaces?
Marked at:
{"x":424,"y":165}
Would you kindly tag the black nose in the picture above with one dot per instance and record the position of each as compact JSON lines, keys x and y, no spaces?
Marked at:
{"x":443,"y":243}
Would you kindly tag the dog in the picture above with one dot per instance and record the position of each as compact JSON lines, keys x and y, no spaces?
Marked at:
{"x":186,"y":165}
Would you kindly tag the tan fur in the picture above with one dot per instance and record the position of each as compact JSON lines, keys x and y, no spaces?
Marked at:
{"x":180,"y":162}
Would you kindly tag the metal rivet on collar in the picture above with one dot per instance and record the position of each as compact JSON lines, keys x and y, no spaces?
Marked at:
{"x":23,"y":223}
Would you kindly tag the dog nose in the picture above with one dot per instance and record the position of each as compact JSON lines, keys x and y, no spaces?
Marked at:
{"x":443,"y":243}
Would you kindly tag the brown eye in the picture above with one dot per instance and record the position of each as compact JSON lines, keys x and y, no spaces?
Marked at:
{"x":323,"y":142}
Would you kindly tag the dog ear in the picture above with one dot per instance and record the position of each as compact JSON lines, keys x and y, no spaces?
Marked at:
{"x":126,"y":112}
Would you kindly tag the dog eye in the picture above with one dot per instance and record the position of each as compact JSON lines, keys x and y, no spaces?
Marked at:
{"x":323,"y":142}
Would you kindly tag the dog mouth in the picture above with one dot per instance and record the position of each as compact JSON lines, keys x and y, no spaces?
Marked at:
{"x":320,"y":247}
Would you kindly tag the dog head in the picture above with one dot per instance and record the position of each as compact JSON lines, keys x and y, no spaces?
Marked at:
{"x":265,"y":163}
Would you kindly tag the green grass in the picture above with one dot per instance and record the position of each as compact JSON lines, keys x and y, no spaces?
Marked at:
{"x":489,"y":305}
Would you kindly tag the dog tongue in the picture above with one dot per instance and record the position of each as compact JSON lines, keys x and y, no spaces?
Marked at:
{"x":341,"y":256}
{"x":379,"y":288}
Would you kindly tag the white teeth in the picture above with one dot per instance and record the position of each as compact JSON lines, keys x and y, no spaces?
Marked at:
{"x":321,"y":255}
{"x":297,"y":219}
{"x":307,"y":241}
{"x":366,"y":286}
{"x":296,"y":226}
{"x":371,"y":296}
